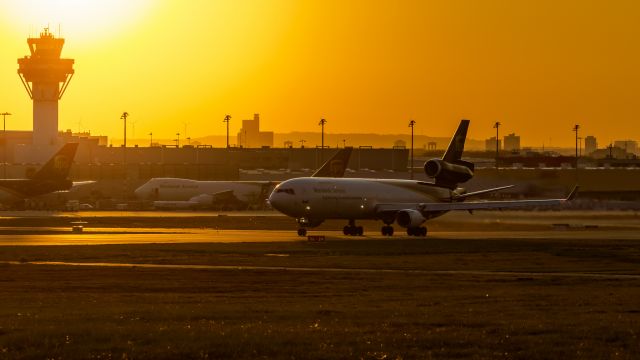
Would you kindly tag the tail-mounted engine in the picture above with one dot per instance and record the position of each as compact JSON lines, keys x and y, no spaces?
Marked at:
{"x":449,"y":174}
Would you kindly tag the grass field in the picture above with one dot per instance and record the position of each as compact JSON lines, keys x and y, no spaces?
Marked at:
{"x":540,"y":312}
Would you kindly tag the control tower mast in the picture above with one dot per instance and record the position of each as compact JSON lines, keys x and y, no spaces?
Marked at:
{"x":45,"y":76}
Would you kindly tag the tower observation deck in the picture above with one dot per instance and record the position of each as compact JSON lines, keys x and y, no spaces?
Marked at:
{"x":45,"y":76}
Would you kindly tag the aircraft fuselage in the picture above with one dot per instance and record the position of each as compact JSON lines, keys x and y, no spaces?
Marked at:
{"x":339,"y":198}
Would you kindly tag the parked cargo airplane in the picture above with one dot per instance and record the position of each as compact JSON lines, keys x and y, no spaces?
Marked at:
{"x":52,"y":177}
{"x":175,"y":193}
{"x":409,"y":203}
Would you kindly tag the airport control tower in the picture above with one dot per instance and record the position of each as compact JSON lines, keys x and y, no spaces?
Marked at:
{"x":45,"y":76}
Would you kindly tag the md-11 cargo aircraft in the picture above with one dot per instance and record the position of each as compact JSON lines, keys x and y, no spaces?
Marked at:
{"x":52,"y":177}
{"x":408,"y":203}
{"x":176,"y":193}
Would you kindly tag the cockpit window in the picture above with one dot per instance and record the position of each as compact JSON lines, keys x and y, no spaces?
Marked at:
{"x":286,"y":191}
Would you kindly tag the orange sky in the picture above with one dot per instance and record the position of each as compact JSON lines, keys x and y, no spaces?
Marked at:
{"x":366,"y":66}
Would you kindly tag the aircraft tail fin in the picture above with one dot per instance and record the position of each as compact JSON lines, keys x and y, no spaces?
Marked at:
{"x":57,"y":168}
{"x":456,"y":146}
{"x":336,"y":166}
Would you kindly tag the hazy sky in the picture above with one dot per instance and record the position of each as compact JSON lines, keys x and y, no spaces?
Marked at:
{"x":537,"y":66}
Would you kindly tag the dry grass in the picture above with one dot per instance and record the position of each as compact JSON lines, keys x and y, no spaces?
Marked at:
{"x":71,"y":312}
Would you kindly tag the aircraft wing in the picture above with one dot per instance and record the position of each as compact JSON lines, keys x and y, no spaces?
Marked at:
{"x":210,"y":198}
{"x":477,"y":205}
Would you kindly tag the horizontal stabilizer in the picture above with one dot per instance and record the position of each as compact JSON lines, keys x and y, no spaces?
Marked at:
{"x":77,"y":184}
{"x":485,"y":191}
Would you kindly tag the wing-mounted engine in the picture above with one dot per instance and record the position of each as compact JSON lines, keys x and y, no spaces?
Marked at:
{"x":449,"y":174}
{"x":410,"y":218}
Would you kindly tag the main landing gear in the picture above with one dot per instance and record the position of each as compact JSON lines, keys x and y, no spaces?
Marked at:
{"x":352,"y":229}
{"x":417,"y":231}
{"x":387,"y":230}
{"x":302,"y":232}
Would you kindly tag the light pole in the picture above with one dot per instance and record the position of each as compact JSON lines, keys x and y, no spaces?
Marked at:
{"x":412,"y":123}
{"x":227,"y":118}
{"x":4,"y":145}
{"x":177,"y":140}
{"x":580,"y":146}
{"x":497,"y":127}
{"x":124,"y":117}
{"x":321,"y":123}
{"x":576,"y":127}
{"x":150,"y":139}
{"x":344,"y":143}
{"x":302,"y":141}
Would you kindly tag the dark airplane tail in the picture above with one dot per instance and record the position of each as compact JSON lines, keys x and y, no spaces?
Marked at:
{"x":451,"y":169}
{"x":456,"y":146}
{"x":336,"y":166}
{"x":57,"y":168}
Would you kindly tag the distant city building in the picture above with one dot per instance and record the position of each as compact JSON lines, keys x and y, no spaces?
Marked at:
{"x":250,"y":135}
{"x":490,"y":144}
{"x":611,"y":152}
{"x":511,"y":143}
{"x":630,"y":146}
{"x":590,"y":145}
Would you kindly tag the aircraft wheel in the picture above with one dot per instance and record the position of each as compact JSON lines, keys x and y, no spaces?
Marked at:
{"x":359,"y":230}
{"x":387,"y":230}
{"x":346,"y":230}
{"x":410,"y":231}
{"x":302,"y":232}
{"x":423,"y":231}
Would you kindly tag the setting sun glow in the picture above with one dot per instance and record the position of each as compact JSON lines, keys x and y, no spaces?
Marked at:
{"x":366,"y":66}
{"x":81,"y":20}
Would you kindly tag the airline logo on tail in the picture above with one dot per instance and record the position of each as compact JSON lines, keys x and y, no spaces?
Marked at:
{"x":61,"y":163}
{"x":336,"y":166}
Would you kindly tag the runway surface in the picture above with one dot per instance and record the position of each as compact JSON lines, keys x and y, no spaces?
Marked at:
{"x":106,"y":236}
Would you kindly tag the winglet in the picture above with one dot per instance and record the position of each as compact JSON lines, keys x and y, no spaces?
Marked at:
{"x":336,"y":166}
{"x":573,"y":193}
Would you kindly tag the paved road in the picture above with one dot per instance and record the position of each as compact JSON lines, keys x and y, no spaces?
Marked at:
{"x":149,"y":236}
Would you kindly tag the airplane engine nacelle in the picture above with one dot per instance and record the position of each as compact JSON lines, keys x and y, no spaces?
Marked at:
{"x":410,"y":218}
{"x":447,"y":173}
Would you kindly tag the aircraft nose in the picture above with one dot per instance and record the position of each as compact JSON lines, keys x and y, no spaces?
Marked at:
{"x":273,"y":201}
